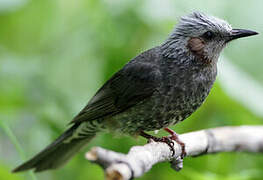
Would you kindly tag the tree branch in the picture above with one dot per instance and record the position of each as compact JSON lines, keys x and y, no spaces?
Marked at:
{"x":140,"y":159}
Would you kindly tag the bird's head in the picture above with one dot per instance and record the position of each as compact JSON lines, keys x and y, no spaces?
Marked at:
{"x":202,"y":36}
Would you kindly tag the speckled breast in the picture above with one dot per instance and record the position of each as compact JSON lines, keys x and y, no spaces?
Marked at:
{"x":182,"y":96}
{"x":175,"y":100}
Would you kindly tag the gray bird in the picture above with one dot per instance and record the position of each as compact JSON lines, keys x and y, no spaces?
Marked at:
{"x":158,"y":88}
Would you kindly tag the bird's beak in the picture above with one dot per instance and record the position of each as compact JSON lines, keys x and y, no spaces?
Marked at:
{"x":239,"y":33}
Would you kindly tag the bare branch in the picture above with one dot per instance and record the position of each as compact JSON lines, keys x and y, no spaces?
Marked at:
{"x":140,"y":159}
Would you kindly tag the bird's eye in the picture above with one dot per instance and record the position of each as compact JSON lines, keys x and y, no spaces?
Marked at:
{"x":208,"y":35}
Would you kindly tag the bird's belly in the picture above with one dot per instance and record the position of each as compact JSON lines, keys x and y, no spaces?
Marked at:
{"x":179,"y":107}
{"x":155,"y":113}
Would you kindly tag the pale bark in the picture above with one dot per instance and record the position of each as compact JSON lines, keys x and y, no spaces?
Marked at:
{"x":140,"y":159}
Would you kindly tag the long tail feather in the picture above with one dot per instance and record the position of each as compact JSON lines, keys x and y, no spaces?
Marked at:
{"x":58,"y":152}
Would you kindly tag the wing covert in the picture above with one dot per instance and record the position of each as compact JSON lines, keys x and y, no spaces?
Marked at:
{"x":132,"y":84}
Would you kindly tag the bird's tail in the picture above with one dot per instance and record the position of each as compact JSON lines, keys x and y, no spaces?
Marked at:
{"x":60,"y":151}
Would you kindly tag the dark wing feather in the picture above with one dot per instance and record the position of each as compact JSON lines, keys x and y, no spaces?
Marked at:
{"x":132,"y":84}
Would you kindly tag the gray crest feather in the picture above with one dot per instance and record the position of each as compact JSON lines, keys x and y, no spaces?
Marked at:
{"x":197,"y":20}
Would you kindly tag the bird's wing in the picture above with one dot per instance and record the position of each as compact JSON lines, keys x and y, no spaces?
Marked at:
{"x":132,"y":84}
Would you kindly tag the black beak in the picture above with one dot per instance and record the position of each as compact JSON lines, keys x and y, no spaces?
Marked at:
{"x":239,"y":33}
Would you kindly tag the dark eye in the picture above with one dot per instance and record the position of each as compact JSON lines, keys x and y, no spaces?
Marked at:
{"x":208,"y":35}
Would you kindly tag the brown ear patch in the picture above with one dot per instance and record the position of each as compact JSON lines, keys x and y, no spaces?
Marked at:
{"x":196,"y":46}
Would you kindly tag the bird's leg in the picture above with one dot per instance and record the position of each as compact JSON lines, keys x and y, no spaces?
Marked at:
{"x":167,"y":139}
{"x":164,"y":139}
{"x":175,"y":137}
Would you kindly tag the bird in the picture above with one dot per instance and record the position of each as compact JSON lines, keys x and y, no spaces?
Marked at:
{"x":158,"y":88}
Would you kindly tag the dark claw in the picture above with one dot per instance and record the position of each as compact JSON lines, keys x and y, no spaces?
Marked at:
{"x":167,"y":140}
{"x":175,"y":137}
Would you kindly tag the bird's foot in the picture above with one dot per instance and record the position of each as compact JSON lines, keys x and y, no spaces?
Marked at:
{"x":168,"y":140}
{"x":174,"y":136}
{"x":164,"y":139}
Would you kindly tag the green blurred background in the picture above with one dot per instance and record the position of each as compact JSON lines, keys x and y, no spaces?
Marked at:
{"x":55,"y":54}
